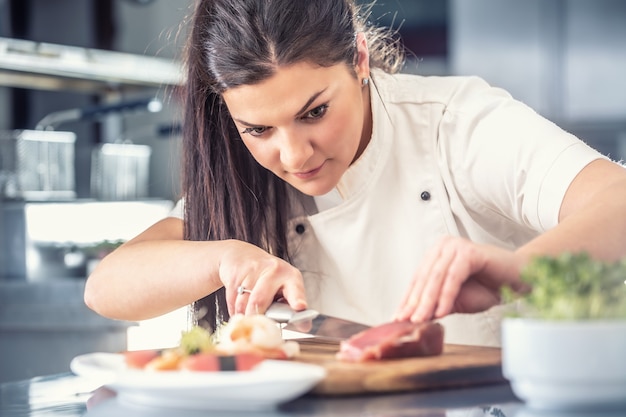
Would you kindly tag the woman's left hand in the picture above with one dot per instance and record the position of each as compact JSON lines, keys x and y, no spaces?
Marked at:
{"x":458,"y":276}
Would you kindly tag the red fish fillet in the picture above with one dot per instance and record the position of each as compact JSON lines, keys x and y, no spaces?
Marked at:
{"x":398,"y":339}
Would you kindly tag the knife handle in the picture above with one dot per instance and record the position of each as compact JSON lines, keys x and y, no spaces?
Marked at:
{"x":282,"y":313}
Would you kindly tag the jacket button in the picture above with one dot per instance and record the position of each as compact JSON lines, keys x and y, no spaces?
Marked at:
{"x":300,"y":229}
{"x":425,"y":195}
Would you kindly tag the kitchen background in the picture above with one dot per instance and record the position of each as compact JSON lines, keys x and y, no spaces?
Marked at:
{"x":77,"y":82}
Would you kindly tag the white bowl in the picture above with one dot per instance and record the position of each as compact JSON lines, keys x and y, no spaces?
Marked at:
{"x":566,"y":365}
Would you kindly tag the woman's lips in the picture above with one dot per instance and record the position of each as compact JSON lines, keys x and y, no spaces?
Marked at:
{"x":308,"y":174}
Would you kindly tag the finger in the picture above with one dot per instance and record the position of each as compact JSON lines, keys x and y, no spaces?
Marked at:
{"x":429,"y":275}
{"x":242,"y":302}
{"x":293,"y":292}
{"x":429,"y":298}
{"x":456,"y":275}
{"x":260,"y":298}
{"x":231,"y":280}
{"x":413,"y":296}
{"x":278,"y":279}
{"x":266,"y":287}
{"x":231,"y":298}
{"x":243,"y":293}
{"x":409,"y":296}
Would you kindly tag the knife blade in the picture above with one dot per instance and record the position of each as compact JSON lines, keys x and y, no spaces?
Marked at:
{"x":311,"y":322}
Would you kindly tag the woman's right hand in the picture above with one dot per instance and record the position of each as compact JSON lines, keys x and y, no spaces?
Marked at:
{"x":267,"y":278}
{"x":169,"y":272}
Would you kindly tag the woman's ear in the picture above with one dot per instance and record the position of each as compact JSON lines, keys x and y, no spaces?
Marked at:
{"x":362,"y":67}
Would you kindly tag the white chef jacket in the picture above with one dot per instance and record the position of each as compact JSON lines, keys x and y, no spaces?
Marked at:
{"x":448,"y":156}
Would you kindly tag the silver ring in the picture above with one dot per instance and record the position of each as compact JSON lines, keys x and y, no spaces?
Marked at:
{"x":241,"y":289}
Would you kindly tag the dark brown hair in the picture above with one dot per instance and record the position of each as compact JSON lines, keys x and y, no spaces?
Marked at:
{"x":228,"y":195}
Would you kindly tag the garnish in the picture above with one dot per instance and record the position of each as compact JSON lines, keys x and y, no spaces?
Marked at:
{"x":238,"y":345}
{"x":196,"y":340}
{"x":572,"y":287}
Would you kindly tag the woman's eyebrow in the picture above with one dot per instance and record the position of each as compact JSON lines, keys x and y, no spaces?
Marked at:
{"x":302,"y":110}
{"x":309,"y":101}
{"x":245,"y":123}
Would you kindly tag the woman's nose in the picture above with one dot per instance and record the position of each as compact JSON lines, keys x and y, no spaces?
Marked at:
{"x":295,"y":151}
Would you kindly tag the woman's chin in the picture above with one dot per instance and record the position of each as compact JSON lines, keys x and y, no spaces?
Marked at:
{"x":314,"y":188}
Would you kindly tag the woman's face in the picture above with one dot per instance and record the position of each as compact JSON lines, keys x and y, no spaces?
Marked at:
{"x":306,"y":123}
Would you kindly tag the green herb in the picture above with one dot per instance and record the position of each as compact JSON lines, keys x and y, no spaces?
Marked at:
{"x":196,"y":340}
{"x":572,"y":287}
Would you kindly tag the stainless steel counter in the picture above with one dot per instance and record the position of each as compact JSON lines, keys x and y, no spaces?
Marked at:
{"x":66,"y":395}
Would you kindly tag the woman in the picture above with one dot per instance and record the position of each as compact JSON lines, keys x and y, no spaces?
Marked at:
{"x":314,"y":174}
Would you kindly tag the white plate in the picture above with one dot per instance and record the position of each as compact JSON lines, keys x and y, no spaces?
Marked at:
{"x":272,"y":382}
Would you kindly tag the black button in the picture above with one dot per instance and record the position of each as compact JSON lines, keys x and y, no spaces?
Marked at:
{"x":300,"y":228}
{"x":425,"y":195}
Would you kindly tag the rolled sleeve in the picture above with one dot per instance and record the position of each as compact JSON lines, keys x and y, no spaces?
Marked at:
{"x":558,"y":179}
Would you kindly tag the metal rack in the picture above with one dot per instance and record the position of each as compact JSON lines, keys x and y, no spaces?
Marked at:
{"x":57,"y":67}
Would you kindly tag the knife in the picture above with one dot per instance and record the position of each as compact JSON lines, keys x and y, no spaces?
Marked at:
{"x":320,"y":326}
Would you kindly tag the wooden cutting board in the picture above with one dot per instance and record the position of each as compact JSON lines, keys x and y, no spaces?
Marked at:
{"x":458,"y":366}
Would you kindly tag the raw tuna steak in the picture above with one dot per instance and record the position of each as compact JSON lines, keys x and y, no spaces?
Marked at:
{"x":398,"y":339}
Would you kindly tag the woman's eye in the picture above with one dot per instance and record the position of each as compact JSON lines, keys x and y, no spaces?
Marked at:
{"x":317,"y":112}
{"x":255,"y":131}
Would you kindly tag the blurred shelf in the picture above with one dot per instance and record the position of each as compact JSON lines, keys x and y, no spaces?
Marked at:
{"x":45,"y":66}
